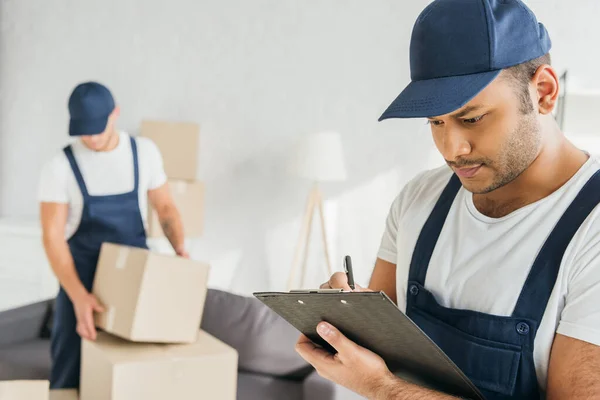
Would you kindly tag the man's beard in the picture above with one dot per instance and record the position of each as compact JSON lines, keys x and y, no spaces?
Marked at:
{"x":515,"y":156}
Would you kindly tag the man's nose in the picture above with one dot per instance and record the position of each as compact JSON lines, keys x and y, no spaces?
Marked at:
{"x":454,"y":144}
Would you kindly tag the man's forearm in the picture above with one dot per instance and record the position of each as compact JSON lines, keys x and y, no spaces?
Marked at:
{"x":61,"y":261}
{"x":172,"y":227}
{"x":395,"y":388}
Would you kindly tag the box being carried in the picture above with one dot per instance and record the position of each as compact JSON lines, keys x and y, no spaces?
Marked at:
{"x":178,"y":144}
{"x":149,"y":297}
{"x":113,"y":369}
{"x":24,"y":390}
{"x":189,"y":200}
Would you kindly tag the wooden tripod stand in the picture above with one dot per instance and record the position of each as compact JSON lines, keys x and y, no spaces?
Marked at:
{"x":315,"y":199}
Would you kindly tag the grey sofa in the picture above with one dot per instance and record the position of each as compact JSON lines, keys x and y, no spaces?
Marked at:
{"x":269,"y":367}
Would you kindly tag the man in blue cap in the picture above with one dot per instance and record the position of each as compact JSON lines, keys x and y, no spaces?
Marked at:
{"x":496,"y":258}
{"x":96,"y":190}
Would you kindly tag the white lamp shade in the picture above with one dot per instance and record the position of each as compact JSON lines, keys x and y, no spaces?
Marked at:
{"x":319,"y":157}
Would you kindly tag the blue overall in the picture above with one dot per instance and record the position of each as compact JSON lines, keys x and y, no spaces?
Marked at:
{"x":113,"y":218}
{"x":495,"y":352}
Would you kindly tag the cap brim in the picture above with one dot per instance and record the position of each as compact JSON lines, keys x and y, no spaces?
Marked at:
{"x":80,"y":127}
{"x":440,"y":96}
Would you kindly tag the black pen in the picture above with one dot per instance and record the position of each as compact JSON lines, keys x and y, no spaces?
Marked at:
{"x":348,"y":271}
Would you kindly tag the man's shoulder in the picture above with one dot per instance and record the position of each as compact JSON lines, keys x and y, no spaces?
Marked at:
{"x":53,"y":178}
{"x":57,"y":162}
{"x":427,"y":184}
{"x":422,"y":191}
{"x":588,"y":234}
{"x":145,"y":145}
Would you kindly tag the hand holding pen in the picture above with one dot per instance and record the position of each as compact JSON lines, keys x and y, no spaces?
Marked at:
{"x":344,"y":280}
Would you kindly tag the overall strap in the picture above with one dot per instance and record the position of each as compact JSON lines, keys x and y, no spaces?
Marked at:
{"x":136,"y":169}
{"x":76,"y":171}
{"x":431,"y":232}
{"x":538,"y":287}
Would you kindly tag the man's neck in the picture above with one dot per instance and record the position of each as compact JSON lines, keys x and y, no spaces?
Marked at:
{"x":113,"y":142}
{"x":554,"y":166}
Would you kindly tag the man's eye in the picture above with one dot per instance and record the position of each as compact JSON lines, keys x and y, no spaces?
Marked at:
{"x":473,"y":120}
{"x":435,"y":123}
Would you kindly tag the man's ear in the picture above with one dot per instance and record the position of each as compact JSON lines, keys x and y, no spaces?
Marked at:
{"x":546,"y":83}
{"x":116,"y":113}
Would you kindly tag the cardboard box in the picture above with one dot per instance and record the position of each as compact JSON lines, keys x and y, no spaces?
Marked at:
{"x":189,"y":199}
{"x":24,"y":390}
{"x":149,"y":297}
{"x":113,"y":369}
{"x":64,"y":394}
{"x":178,"y":144}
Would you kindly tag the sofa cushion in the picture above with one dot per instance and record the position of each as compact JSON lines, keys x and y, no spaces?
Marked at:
{"x":25,"y":360}
{"x":261,"y":387}
{"x":265,"y":342}
{"x":24,"y":323}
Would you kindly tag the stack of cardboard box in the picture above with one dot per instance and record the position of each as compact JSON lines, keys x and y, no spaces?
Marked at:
{"x":178,"y":144}
{"x":149,"y":345}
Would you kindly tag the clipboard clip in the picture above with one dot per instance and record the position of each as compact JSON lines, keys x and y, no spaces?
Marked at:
{"x":316,"y":291}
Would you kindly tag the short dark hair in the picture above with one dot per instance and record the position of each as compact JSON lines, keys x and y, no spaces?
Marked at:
{"x":520,"y":75}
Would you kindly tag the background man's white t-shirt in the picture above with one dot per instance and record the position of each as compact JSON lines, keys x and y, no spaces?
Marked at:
{"x":481,"y":263}
{"x":104,"y":173}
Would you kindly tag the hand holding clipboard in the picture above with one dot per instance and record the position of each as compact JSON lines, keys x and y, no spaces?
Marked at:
{"x":371,"y":320}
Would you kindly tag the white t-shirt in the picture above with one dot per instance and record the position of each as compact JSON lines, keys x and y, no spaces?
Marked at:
{"x":104,"y":173}
{"x":481,"y":263}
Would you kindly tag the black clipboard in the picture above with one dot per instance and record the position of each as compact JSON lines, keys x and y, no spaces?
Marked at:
{"x":373,"y":321}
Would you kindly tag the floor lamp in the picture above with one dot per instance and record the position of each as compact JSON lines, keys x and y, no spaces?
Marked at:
{"x":319,"y":158}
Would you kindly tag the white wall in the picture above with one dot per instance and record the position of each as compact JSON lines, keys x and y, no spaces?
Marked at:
{"x":255,"y":75}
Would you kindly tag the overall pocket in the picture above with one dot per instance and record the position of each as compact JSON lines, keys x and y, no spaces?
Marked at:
{"x":490,"y":365}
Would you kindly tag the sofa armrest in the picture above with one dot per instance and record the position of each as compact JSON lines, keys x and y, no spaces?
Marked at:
{"x":25,"y":323}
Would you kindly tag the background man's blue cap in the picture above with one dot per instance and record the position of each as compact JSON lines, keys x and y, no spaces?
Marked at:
{"x":90,"y":105}
{"x":458,"y":47}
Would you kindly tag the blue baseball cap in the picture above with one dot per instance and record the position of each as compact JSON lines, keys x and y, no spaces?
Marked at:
{"x":458,"y":47}
{"x":90,"y":105}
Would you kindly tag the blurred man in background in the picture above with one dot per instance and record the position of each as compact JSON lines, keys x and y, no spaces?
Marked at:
{"x":96,"y":190}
